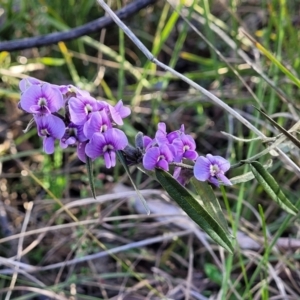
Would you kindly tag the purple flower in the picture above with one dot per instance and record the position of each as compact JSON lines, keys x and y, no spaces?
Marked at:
{"x":147,"y":142}
{"x":72,"y":90}
{"x":119,"y":112}
{"x":162,"y":137}
{"x":50,"y":128}
{"x":106,"y":144}
{"x":41,"y":99}
{"x":98,"y":122}
{"x":158,"y":157}
{"x":185,"y":148}
{"x":25,"y":83}
{"x":211,"y":168}
{"x":80,"y":108}
{"x":72,"y":134}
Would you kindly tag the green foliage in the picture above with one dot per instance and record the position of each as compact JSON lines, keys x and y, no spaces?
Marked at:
{"x":272,"y":188}
{"x":196,"y":210}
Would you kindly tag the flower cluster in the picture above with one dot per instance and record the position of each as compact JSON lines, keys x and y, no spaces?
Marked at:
{"x":175,"y":148}
{"x":85,"y":122}
{"x":72,"y":116}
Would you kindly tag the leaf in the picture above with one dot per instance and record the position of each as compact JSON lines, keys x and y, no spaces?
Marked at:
{"x":249,"y":175}
{"x":89,"y":166}
{"x":281,"y":129}
{"x":194,"y":209}
{"x":272,"y":188}
{"x":123,"y":162}
{"x":210,"y":202}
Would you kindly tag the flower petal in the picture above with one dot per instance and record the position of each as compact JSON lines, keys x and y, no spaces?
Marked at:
{"x":122,"y":110}
{"x":224,"y":179}
{"x":147,"y":142}
{"x":150,"y":158}
{"x":163,"y":164}
{"x":95,"y":146}
{"x":80,"y":108}
{"x":81,"y":151}
{"x":30,"y":97}
{"x":50,"y":125}
{"x":116,"y":138}
{"x":201,"y":168}
{"x":98,"y":122}
{"x":166,"y":152}
{"x":25,"y":83}
{"x":107,"y":159}
{"x":223,"y":163}
{"x":190,"y":154}
{"x":48,"y":145}
{"x":53,"y":96}
{"x":214,"y":181}
{"x":110,"y":159}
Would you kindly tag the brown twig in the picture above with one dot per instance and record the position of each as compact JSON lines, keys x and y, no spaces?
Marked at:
{"x":77,"y":32}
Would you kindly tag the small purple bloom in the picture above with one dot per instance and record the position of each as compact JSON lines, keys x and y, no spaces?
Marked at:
{"x":185,"y":148}
{"x":72,"y":134}
{"x":72,"y":90}
{"x":80,"y":108}
{"x":50,"y":128}
{"x":98,"y":122}
{"x":162,"y":137}
{"x":106,"y":144}
{"x":41,"y":99}
{"x":25,"y":83}
{"x":211,"y":168}
{"x":119,"y":112}
{"x":158,"y":157}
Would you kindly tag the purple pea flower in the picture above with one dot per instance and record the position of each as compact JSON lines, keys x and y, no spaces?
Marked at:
{"x":72,"y":90}
{"x":25,"y":83}
{"x":80,"y":108}
{"x":162,"y":137}
{"x":41,"y":99}
{"x":158,"y":157}
{"x":72,"y":134}
{"x":119,"y":112}
{"x":106,"y":144}
{"x":211,"y":168}
{"x":185,"y":148}
{"x":50,"y":128}
{"x":98,"y":122}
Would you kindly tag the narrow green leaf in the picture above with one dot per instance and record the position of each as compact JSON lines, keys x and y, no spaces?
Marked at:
{"x":89,"y":166}
{"x":210,"y":202}
{"x":281,"y":129}
{"x":249,"y":175}
{"x":194,"y":209}
{"x":272,"y":187}
{"x":123,"y":162}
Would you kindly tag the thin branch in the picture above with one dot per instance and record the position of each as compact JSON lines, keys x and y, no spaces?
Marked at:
{"x":88,"y":28}
{"x":196,"y":86}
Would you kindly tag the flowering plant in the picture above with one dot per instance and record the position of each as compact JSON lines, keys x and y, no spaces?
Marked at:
{"x":75,"y":118}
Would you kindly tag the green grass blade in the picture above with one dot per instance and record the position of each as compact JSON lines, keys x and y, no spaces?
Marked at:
{"x":281,"y":129}
{"x":274,"y":60}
